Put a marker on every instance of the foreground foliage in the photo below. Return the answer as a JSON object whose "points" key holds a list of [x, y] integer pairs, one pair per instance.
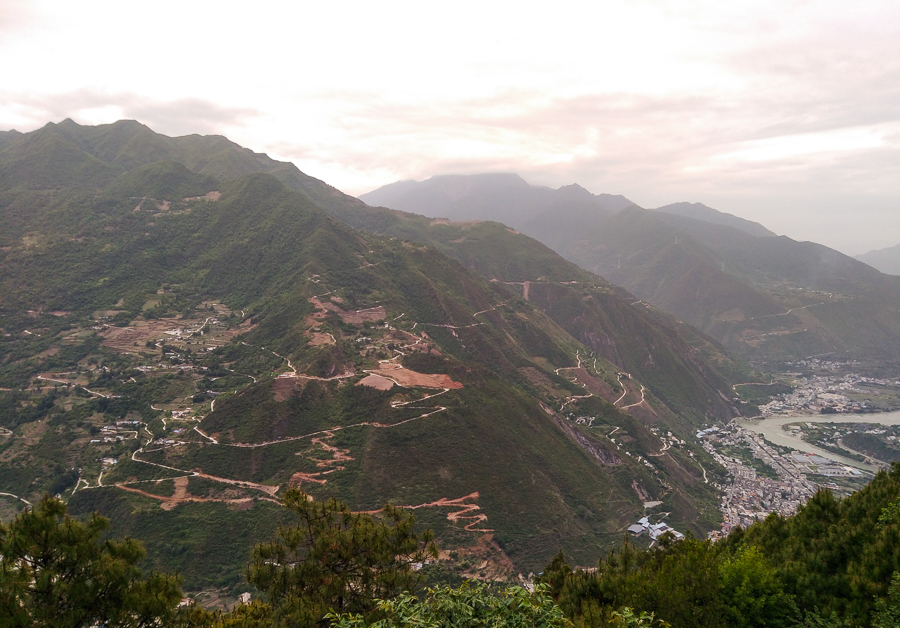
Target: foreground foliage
{"points": [[829, 565], [472, 605], [333, 559], [833, 565], [58, 572]]}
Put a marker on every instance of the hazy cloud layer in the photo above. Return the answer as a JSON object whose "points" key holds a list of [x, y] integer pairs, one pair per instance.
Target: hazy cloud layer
{"points": [[183, 116], [781, 112], [15, 16]]}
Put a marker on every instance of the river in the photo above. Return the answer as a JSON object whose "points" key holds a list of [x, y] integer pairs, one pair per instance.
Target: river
{"points": [[773, 431]]}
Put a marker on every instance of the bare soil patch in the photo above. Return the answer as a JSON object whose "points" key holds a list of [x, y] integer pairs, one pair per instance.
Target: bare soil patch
{"points": [[644, 412], [356, 317], [243, 328], [641, 492], [539, 380], [330, 465], [181, 495], [462, 509], [169, 503], [404, 377], [338, 455], [594, 385], [123, 338], [299, 478], [317, 338], [490, 562], [376, 381], [209, 196]]}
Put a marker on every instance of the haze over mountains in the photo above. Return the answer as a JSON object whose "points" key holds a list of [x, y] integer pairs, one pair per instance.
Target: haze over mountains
{"points": [[698, 211], [886, 260], [188, 327], [767, 298]]}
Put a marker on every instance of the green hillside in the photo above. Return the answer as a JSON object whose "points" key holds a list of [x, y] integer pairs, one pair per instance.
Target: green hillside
{"points": [[767, 299], [834, 563], [676, 363], [181, 342]]}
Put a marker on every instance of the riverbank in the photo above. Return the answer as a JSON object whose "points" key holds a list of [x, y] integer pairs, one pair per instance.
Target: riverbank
{"points": [[772, 429]]}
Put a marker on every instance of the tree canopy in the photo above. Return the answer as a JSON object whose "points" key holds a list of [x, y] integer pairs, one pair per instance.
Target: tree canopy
{"points": [[834, 563], [333, 559], [58, 572]]}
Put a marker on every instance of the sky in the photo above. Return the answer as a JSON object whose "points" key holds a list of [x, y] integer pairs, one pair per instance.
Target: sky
{"points": [[784, 112]]}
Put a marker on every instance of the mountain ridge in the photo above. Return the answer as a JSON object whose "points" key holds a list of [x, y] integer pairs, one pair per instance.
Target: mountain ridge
{"points": [[699, 211], [886, 260], [257, 340], [765, 297]]}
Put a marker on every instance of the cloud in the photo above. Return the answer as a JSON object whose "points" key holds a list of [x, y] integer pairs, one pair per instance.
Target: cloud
{"points": [[748, 105], [616, 138], [87, 106], [769, 155], [189, 115], [15, 16]]}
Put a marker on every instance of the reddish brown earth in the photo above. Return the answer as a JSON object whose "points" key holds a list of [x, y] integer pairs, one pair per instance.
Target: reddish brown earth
{"points": [[123, 338], [317, 339], [461, 511], [405, 377], [243, 328], [593, 384], [180, 495], [331, 465]]}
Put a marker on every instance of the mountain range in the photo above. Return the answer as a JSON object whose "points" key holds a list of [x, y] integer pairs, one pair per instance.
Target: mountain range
{"points": [[188, 327], [886, 260], [766, 298]]}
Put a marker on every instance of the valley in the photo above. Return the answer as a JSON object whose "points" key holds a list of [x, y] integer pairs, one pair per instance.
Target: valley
{"points": [[816, 386], [767, 478], [185, 338], [766, 298]]}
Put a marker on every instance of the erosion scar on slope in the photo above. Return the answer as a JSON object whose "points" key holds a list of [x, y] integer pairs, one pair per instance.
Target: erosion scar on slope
{"points": [[180, 497], [463, 514], [330, 465]]}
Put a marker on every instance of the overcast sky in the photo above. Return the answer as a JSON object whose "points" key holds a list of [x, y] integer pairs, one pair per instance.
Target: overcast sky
{"points": [[783, 112]]}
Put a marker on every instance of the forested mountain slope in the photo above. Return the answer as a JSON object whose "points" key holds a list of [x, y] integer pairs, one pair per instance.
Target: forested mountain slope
{"points": [[182, 340], [699, 211], [766, 298], [834, 563]]}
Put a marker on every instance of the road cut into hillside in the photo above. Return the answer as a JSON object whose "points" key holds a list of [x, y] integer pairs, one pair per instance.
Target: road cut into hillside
{"points": [[461, 511], [180, 495]]}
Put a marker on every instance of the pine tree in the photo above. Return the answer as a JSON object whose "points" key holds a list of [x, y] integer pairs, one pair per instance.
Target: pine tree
{"points": [[333, 559], [57, 572]]}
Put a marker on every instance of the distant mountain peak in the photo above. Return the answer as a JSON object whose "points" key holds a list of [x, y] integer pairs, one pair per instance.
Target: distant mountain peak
{"points": [[699, 211], [574, 190], [886, 260], [484, 177]]}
